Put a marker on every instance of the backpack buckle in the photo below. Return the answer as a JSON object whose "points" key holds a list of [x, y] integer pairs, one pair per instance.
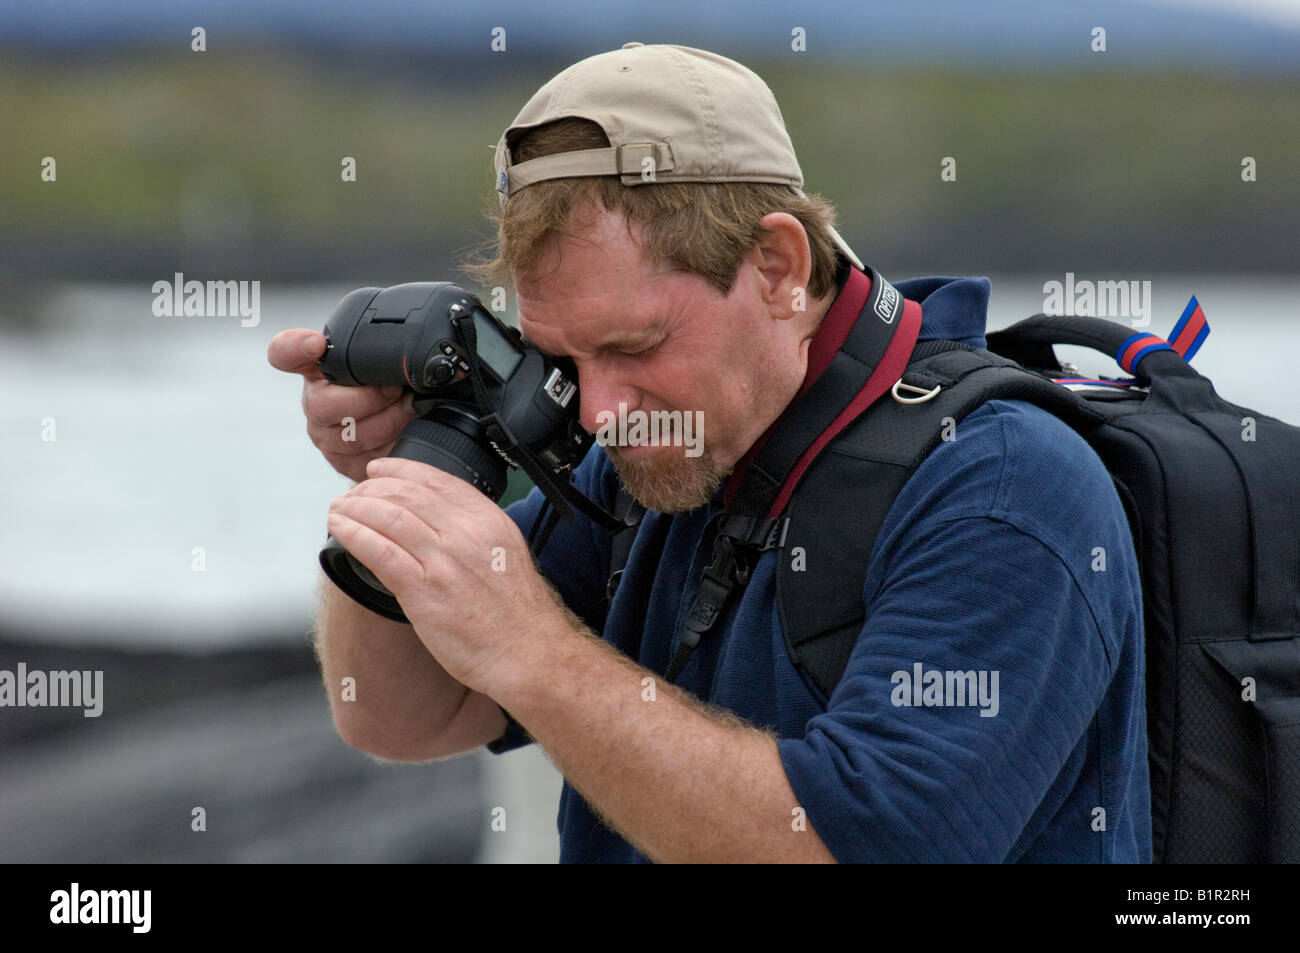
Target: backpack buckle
{"points": [[776, 531], [751, 533]]}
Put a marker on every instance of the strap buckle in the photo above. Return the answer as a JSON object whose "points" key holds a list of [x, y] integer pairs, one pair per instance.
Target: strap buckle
{"points": [[632, 165], [749, 532], [776, 534], [739, 538]]}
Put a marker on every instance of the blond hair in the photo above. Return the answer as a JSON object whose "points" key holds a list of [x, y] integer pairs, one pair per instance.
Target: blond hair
{"points": [[703, 228]]}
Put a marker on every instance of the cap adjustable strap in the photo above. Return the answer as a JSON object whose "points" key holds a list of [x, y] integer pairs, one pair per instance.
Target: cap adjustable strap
{"points": [[627, 160]]}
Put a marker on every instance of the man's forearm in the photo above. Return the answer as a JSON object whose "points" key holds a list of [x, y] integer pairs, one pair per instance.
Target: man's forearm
{"points": [[678, 780], [400, 699]]}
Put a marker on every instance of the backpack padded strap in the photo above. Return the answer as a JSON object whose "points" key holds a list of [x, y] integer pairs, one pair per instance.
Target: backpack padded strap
{"points": [[872, 355], [863, 471]]}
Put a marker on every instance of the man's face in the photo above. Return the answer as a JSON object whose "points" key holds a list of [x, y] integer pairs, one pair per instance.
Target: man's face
{"points": [[660, 340]]}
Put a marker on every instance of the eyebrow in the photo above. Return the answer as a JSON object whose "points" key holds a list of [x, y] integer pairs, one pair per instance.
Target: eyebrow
{"points": [[618, 339]]}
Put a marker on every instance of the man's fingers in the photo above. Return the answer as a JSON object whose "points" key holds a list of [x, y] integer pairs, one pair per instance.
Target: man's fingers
{"points": [[367, 438], [418, 498], [351, 466], [326, 404], [394, 521], [296, 352], [385, 558], [376, 432], [443, 483]]}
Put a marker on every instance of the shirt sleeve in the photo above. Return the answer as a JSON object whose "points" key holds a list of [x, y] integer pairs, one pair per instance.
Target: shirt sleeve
{"points": [[575, 560], [979, 595], [885, 776]]}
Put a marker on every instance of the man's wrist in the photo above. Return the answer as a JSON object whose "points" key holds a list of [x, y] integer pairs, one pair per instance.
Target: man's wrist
{"points": [[546, 642]]}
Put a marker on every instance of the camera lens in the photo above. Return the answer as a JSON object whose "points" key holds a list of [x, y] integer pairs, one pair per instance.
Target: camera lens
{"points": [[351, 576], [449, 438], [452, 439]]}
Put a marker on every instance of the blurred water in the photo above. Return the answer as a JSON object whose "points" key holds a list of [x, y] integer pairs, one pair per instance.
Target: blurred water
{"points": [[171, 434], [174, 433]]}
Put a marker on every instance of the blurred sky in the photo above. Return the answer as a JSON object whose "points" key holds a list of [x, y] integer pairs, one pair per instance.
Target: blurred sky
{"points": [[1241, 34]]}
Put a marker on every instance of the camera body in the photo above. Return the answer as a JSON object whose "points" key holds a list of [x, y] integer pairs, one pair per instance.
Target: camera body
{"points": [[487, 399], [411, 335]]}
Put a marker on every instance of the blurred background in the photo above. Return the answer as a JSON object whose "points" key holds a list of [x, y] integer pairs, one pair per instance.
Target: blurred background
{"points": [[162, 505]]}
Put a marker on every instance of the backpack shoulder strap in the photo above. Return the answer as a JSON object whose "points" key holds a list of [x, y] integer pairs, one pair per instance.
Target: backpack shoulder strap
{"points": [[821, 573]]}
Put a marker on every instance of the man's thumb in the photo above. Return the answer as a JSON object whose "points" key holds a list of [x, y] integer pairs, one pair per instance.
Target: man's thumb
{"points": [[296, 351]]}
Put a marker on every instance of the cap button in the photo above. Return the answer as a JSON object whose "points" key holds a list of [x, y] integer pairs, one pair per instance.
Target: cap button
{"points": [[632, 46]]}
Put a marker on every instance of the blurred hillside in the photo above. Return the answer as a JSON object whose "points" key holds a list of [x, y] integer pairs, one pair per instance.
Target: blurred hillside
{"points": [[228, 164]]}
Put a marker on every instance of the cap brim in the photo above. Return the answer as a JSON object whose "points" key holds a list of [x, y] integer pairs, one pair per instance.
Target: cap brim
{"points": [[848, 252], [842, 245]]}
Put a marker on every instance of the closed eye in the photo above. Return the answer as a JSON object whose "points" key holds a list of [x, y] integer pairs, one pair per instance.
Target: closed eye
{"points": [[605, 350], [629, 353]]}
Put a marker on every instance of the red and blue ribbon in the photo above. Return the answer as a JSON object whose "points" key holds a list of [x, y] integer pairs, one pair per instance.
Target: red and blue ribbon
{"points": [[1137, 347], [1191, 330], [1187, 337]]}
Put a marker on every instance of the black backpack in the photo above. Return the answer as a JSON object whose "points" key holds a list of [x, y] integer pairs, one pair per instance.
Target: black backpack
{"points": [[1212, 495]]}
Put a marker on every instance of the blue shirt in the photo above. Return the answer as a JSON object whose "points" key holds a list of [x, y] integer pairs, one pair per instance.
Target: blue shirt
{"points": [[1006, 552]]}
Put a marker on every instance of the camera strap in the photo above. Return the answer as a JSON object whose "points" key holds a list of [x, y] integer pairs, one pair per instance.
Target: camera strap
{"points": [[869, 356]]}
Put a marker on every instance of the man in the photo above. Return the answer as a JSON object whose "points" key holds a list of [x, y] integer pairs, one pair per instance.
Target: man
{"points": [[655, 231]]}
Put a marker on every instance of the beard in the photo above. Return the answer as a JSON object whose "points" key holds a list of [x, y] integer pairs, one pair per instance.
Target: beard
{"points": [[670, 482]]}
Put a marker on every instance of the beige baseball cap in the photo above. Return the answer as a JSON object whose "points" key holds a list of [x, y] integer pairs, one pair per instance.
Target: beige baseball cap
{"points": [[672, 114]]}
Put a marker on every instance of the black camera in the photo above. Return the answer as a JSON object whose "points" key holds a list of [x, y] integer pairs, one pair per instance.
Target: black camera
{"points": [[489, 402]]}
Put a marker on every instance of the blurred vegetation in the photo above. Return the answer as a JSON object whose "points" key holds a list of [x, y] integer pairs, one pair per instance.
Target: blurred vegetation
{"points": [[233, 161]]}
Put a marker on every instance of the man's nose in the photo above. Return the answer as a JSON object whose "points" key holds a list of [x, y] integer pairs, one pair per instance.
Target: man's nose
{"points": [[601, 391]]}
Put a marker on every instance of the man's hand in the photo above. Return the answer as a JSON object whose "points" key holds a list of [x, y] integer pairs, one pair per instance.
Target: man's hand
{"points": [[378, 414], [456, 562]]}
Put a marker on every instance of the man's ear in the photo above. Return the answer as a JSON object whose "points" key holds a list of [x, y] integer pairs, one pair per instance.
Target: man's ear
{"points": [[783, 259]]}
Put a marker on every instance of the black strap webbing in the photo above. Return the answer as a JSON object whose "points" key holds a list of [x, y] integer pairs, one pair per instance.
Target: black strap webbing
{"points": [[739, 540], [629, 512]]}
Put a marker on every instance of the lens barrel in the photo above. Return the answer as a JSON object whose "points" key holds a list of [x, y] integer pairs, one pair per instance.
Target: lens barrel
{"points": [[449, 438]]}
